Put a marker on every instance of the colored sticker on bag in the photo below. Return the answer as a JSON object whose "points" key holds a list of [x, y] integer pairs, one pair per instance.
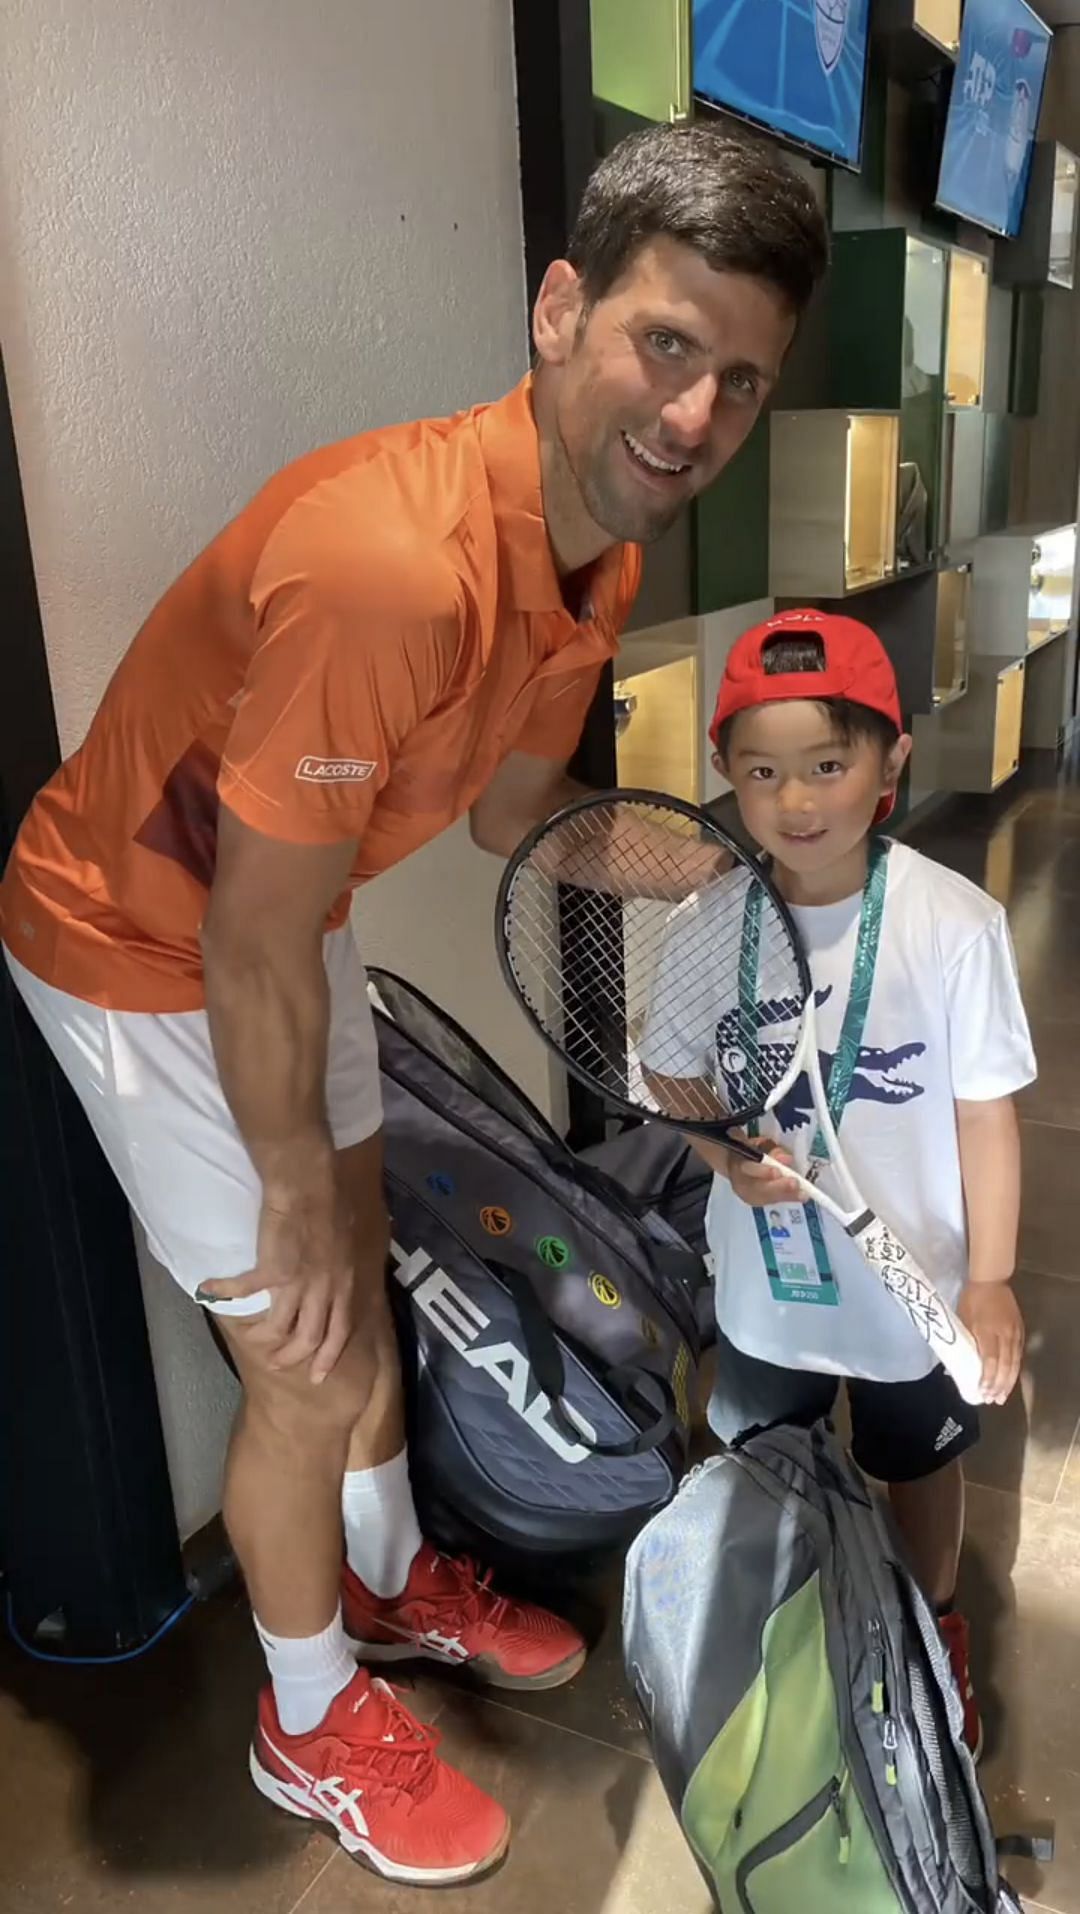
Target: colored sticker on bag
{"points": [[553, 1252], [497, 1221], [650, 1335], [440, 1183], [604, 1290]]}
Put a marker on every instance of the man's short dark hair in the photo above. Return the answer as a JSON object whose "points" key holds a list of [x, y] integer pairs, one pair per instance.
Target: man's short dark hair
{"points": [[725, 194], [850, 721]]}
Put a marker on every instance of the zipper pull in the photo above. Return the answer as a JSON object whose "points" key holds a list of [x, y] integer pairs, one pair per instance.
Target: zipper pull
{"points": [[839, 1808], [892, 1742], [877, 1692]]}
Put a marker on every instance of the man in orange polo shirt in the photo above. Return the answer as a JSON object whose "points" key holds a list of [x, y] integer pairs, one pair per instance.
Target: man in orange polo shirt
{"points": [[399, 629]]}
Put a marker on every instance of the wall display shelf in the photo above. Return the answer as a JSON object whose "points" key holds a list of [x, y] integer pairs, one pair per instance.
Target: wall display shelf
{"points": [[641, 56], [963, 458], [952, 634], [1048, 694], [1044, 254], [731, 529], [997, 471], [833, 491], [920, 36], [1023, 588], [997, 370], [965, 338], [973, 744], [1026, 351], [922, 621], [886, 295], [1053, 575], [666, 681], [658, 712]]}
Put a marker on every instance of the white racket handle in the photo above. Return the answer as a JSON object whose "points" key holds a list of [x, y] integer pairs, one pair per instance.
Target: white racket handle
{"points": [[894, 1266], [954, 1345]]}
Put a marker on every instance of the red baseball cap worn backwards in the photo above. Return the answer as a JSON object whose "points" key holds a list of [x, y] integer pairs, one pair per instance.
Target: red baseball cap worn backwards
{"points": [[856, 667]]}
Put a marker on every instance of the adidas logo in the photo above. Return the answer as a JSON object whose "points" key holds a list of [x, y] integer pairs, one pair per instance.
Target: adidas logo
{"points": [[948, 1434]]}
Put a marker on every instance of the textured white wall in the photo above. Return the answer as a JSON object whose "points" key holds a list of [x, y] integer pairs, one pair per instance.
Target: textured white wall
{"points": [[230, 233]]}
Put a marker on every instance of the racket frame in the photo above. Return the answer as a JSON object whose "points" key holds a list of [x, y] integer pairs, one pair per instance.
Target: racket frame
{"points": [[712, 1130]]}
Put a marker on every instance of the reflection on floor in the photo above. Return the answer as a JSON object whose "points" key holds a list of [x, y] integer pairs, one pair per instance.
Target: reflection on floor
{"points": [[130, 1789]]}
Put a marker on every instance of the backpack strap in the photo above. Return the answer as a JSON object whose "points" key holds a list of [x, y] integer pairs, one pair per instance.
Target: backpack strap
{"points": [[626, 1382], [1026, 1847]]}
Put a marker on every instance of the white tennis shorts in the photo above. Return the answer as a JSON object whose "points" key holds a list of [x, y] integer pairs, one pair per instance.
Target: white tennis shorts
{"points": [[150, 1087]]}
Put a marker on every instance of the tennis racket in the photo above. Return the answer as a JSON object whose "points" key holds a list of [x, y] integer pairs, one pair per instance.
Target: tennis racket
{"points": [[654, 955]]}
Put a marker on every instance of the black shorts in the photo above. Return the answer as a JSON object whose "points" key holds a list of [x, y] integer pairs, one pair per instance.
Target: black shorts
{"points": [[900, 1431]]}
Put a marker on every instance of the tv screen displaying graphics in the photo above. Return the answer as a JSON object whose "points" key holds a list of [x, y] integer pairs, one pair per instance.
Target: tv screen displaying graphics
{"points": [[797, 67], [993, 114]]}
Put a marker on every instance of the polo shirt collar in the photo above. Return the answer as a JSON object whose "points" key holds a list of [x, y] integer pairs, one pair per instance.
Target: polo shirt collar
{"points": [[510, 448]]}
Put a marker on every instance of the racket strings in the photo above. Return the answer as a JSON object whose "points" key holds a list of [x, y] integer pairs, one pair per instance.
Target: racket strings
{"points": [[645, 977]]}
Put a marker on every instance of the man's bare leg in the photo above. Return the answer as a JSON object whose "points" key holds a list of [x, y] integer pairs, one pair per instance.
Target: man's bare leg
{"points": [[283, 1481], [331, 1739], [291, 1443], [382, 1534]]}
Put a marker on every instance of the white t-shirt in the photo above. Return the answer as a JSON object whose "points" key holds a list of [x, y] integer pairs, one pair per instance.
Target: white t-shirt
{"points": [[945, 1022]]}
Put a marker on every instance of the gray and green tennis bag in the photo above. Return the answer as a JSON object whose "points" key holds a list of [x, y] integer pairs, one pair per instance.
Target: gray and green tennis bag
{"points": [[798, 1695], [551, 1322]]}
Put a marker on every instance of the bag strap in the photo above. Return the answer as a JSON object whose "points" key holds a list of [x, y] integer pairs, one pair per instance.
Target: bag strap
{"points": [[675, 1174], [1026, 1847], [625, 1380]]}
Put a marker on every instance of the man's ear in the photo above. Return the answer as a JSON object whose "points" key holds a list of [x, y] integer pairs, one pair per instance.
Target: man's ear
{"points": [[557, 313], [720, 767]]}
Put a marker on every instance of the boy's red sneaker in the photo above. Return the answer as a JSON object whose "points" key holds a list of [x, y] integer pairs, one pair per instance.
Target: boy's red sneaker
{"points": [[957, 1635]]}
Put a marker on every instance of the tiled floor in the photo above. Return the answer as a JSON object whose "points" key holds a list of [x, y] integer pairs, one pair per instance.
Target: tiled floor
{"points": [[129, 1790]]}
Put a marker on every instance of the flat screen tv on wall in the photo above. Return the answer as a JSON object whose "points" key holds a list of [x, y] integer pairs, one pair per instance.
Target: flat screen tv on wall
{"points": [[993, 114], [795, 67]]}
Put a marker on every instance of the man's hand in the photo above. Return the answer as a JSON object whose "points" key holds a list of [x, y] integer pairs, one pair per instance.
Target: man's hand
{"points": [[992, 1313], [306, 1258], [762, 1184]]}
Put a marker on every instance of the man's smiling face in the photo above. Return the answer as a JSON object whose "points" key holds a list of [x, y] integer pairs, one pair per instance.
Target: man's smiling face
{"points": [[660, 382]]}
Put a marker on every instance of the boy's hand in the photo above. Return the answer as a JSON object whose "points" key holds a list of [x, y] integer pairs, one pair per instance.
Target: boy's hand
{"points": [[992, 1313], [764, 1183]]}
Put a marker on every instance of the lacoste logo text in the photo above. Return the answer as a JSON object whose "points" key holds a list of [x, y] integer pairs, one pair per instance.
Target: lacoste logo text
{"points": [[334, 770]]}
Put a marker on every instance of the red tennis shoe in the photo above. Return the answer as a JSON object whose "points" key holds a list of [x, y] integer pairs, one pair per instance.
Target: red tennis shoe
{"points": [[448, 1612], [955, 1630], [373, 1773]]}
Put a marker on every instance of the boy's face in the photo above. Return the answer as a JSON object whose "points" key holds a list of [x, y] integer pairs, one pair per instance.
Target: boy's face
{"points": [[807, 797]]}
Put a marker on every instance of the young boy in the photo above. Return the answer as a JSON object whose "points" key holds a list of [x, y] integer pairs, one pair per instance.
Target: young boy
{"points": [[808, 731]]}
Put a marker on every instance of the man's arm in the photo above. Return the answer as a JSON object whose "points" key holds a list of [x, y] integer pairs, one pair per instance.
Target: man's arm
{"points": [[268, 1006], [989, 1141], [523, 793], [627, 855]]}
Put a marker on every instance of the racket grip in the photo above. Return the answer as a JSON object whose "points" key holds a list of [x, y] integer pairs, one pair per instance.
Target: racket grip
{"points": [[953, 1345], [964, 1363]]}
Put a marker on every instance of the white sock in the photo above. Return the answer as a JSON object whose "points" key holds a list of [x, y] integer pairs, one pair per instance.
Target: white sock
{"points": [[382, 1534], [308, 1673]]}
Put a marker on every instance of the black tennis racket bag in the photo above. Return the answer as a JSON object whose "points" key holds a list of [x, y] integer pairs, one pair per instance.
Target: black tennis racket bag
{"points": [[548, 1320], [655, 1165]]}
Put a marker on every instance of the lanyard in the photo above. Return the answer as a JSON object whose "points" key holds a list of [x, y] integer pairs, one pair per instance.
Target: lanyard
{"points": [[842, 1071]]}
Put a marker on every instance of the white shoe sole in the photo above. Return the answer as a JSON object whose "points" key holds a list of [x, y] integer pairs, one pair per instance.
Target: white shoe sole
{"points": [[293, 1800], [480, 1667]]}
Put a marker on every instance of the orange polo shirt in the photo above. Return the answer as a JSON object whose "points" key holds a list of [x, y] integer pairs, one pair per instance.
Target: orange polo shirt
{"points": [[351, 658]]}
